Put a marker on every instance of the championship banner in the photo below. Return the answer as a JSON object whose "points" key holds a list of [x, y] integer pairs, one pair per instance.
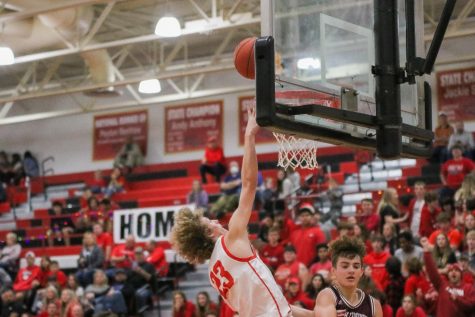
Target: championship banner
{"points": [[145, 224], [112, 130], [456, 94], [263, 136], [188, 127]]}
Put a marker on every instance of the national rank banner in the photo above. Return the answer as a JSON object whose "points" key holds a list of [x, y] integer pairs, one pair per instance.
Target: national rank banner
{"points": [[188, 127], [112, 130], [263, 136], [145, 224], [456, 94]]}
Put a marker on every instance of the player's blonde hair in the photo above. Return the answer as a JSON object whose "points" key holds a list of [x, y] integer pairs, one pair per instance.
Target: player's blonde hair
{"points": [[190, 237]]}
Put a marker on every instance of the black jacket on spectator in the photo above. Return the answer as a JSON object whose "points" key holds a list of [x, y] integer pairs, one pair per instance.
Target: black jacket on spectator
{"points": [[138, 281]]}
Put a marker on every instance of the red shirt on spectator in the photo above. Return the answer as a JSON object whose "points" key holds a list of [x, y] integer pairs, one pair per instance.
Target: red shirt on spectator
{"points": [[300, 297], [322, 268], [418, 312], [455, 237], [214, 156], [371, 222], [158, 259], [305, 241], [286, 270], [59, 277], [121, 250], [272, 256], [25, 278], [415, 282], [387, 310], [428, 220], [187, 311], [104, 240], [377, 261], [454, 171]]}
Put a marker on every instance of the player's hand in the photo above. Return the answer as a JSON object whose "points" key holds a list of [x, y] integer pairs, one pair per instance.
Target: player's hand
{"points": [[252, 127]]}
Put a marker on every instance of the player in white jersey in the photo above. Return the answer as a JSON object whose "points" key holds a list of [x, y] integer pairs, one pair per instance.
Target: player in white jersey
{"points": [[236, 271]]}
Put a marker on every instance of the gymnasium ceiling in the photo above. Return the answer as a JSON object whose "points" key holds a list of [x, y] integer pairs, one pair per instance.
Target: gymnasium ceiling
{"points": [[62, 48]]}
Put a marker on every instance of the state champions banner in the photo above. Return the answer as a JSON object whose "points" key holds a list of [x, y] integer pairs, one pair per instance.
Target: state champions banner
{"points": [[188, 127], [456, 94], [264, 135], [145, 224], [112, 130]]}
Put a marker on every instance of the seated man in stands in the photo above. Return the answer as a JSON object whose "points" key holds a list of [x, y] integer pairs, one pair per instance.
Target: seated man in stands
{"points": [[213, 161], [156, 257], [462, 138], [143, 278], [453, 172], [129, 156], [230, 187], [10, 253], [90, 259], [61, 226], [122, 255], [116, 183], [28, 277], [442, 135]]}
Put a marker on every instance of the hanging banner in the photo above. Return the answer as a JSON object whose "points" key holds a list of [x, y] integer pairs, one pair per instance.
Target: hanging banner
{"points": [[112, 130], [188, 127], [145, 224], [263, 136], [456, 94]]}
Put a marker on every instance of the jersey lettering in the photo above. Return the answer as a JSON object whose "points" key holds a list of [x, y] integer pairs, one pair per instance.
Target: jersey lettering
{"points": [[221, 279]]}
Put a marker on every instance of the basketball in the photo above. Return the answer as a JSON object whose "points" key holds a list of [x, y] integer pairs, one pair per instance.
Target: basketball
{"points": [[244, 58]]}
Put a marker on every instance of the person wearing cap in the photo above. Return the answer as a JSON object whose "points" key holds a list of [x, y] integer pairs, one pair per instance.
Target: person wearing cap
{"points": [[442, 134], [294, 294], [445, 227], [307, 236], [143, 278], [29, 276], [213, 161], [455, 297], [291, 268]]}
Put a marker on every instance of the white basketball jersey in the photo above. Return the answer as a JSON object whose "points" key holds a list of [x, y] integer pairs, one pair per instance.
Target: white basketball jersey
{"points": [[246, 284]]}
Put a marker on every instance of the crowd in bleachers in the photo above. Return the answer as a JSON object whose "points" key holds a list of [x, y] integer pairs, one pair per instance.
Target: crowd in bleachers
{"points": [[14, 168]]}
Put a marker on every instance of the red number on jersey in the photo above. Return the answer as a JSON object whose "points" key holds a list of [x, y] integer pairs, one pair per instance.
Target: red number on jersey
{"points": [[221, 279]]}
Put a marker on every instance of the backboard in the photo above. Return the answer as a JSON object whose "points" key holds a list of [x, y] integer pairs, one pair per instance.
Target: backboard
{"points": [[329, 49]]}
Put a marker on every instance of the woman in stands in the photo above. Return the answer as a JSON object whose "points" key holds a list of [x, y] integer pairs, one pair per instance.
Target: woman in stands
{"points": [[239, 275], [181, 306], [67, 301], [317, 283], [204, 304], [443, 253], [409, 308], [388, 209]]}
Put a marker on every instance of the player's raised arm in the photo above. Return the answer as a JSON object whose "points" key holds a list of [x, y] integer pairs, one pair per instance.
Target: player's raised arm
{"points": [[240, 218]]}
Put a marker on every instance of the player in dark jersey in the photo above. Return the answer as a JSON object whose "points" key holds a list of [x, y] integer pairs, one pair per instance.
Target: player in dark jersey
{"points": [[344, 298]]}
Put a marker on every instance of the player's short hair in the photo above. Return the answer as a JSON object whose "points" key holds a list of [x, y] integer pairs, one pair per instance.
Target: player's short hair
{"points": [[190, 237], [348, 248]]}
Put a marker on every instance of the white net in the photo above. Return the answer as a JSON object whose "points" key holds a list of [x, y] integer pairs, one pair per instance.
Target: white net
{"points": [[296, 152]]}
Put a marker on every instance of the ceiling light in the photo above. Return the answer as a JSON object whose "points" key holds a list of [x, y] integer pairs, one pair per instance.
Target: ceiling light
{"points": [[168, 27], [150, 86], [309, 63], [6, 56]]}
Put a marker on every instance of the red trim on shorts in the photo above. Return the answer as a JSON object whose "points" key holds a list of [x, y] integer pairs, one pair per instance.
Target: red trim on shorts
{"points": [[272, 295], [232, 256]]}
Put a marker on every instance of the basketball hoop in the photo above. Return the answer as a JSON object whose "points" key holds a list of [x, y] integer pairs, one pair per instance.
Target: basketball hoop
{"points": [[296, 152]]}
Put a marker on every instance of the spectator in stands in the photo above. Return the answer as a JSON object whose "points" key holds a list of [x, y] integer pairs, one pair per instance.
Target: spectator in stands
{"points": [[455, 298], [61, 226], [453, 172], [409, 308], [443, 131], [415, 208], [198, 196], [67, 301], [90, 259], [123, 255], [121, 284], [213, 161], [388, 210], [143, 278], [442, 253], [469, 222], [465, 196], [10, 254], [470, 251], [97, 185], [230, 187], [443, 223], [156, 257], [181, 306], [272, 253], [394, 289], [5, 280], [317, 283], [377, 261], [335, 195], [44, 297], [28, 277], [17, 171], [129, 156], [416, 280], [107, 209], [52, 310], [291, 268], [100, 295], [284, 184], [103, 240], [408, 249], [74, 285], [9, 306], [55, 276], [391, 243], [116, 183], [45, 264], [367, 215], [204, 304], [269, 194], [462, 138], [307, 236], [30, 165], [294, 293], [429, 213], [322, 264]]}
